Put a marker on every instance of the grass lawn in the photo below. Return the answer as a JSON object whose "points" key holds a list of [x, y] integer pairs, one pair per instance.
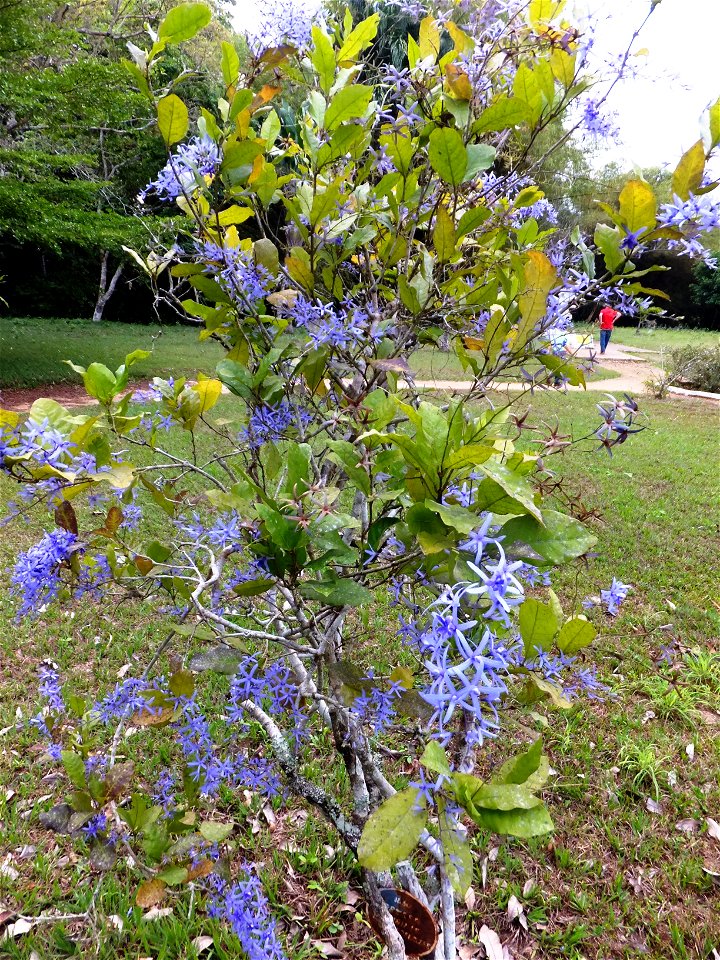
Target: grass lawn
{"points": [[432, 364], [32, 350], [616, 880], [660, 339]]}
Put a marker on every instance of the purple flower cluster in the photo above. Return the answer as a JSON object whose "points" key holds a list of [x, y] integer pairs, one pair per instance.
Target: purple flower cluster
{"points": [[596, 123], [377, 707], [279, 22], [268, 423], [698, 214], [41, 441], [613, 597], [186, 170], [618, 419], [465, 673], [236, 272], [244, 905], [326, 325], [36, 576]]}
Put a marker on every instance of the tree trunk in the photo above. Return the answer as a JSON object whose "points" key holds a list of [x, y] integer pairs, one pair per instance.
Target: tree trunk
{"points": [[105, 290]]}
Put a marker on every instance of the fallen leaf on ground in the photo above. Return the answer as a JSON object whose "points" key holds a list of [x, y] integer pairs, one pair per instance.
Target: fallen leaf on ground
{"points": [[150, 893], [115, 921], [653, 806], [491, 941], [690, 751], [202, 943], [327, 949], [155, 913], [17, 929], [470, 898], [688, 825], [713, 828]]}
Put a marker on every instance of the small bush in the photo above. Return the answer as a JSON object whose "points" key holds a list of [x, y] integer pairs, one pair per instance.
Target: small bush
{"points": [[696, 367]]}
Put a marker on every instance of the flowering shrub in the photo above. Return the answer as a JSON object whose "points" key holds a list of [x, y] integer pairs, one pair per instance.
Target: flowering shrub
{"points": [[326, 480]]}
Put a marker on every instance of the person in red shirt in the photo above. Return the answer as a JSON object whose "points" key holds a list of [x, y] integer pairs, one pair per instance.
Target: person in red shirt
{"points": [[608, 316]]}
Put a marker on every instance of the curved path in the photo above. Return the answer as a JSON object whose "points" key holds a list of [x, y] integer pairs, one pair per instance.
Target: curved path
{"points": [[633, 374]]}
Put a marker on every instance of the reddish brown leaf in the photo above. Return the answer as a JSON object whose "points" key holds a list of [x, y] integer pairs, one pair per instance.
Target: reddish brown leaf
{"points": [[66, 517], [150, 893]]}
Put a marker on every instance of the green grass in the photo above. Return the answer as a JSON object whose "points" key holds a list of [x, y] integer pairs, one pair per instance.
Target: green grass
{"points": [[32, 350], [659, 339], [615, 878], [432, 364]]}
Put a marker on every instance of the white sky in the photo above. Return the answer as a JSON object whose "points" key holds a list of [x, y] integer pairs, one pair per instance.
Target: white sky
{"points": [[659, 116]]}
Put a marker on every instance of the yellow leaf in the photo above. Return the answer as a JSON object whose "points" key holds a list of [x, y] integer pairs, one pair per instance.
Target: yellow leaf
{"points": [[689, 172], [258, 167], [463, 42], [458, 82], [242, 123], [429, 39], [540, 277], [543, 11], [265, 95], [638, 206], [562, 65], [209, 392]]}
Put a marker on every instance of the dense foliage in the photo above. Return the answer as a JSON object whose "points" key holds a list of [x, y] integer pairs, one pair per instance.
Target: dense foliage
{"points": [[326, 480]]}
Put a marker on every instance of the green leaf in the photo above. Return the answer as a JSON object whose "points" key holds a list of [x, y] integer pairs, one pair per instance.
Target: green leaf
{"points": [[638, 206], [448, 155], [444, 235], [689, 172], [519, 769], [230, 64], [505, 796], [459, 518], [575, 634], [526, 87], [537, 688], [392, 832], [337, 592], [538, 626], [323, 58], [350, 103], [456, 849], [430, 531], [435, 758], [174, 875], [608, 240], [481, 156], [503, 113], [359, 38], [74, 767], [520, 823], [562, 538], [100, 382], [563, 367], [215, 832], [184, 21], [173, 120], [514, 484], [470, 454], [236, 378], [182, 683], [233, 215]]}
